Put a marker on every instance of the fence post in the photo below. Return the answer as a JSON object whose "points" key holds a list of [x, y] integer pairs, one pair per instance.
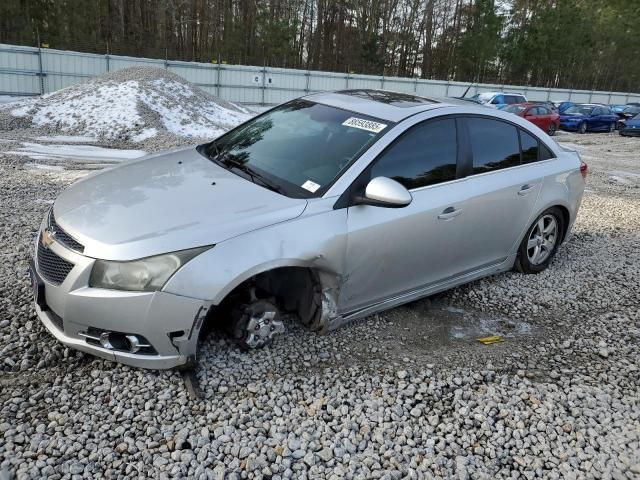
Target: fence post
{"points": [[347, 82], [382, 82], [264, 77], [590, 96], [415, 86], [446, 92], [306, 87], [106, 57], [40, 72], [218, 78]]}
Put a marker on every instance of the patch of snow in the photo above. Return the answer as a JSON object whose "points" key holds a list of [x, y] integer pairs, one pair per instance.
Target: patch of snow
{"points": [[130, 104], [145, 135], [626, 178], [42, 166], [75, 152], [67, 139]]}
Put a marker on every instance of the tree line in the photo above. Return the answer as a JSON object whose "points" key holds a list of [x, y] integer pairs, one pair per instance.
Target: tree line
{"points": [[581, 44]]}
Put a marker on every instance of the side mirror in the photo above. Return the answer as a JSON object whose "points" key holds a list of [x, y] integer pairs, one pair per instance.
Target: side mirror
{"points": [[385, 192]]}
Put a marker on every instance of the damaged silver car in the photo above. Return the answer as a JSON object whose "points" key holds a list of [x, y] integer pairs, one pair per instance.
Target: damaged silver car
{"points": [[327, 208]]}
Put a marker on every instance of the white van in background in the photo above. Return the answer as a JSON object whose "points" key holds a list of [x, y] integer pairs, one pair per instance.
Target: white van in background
{"points": [[498, 99]]}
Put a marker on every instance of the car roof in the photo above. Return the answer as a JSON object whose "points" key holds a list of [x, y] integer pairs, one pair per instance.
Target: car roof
{"points": [[382, 104]]}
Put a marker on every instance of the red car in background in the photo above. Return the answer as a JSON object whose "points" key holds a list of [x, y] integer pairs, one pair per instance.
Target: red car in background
{"points": [[537, 114]]}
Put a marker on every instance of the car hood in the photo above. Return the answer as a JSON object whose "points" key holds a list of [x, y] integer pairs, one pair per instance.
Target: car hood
{"points": [[164, 203], [632, 123]]}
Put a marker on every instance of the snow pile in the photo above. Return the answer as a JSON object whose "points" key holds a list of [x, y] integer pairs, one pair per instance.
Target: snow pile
{"points": [[133, 104]]}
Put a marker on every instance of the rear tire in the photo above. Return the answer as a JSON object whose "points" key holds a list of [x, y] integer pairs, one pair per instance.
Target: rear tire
{"points": [[582, 128], [551, 129], [541, 242]]}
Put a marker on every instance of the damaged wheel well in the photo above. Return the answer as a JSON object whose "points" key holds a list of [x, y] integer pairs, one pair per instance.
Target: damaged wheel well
{"points": [[304, 292]]}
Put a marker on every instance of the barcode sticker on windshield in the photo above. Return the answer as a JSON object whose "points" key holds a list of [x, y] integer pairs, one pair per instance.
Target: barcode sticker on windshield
{"points": [[311, 186], [363, 124]]}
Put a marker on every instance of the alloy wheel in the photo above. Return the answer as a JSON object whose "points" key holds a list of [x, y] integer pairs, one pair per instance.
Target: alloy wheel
{"points": [[542, 239]]}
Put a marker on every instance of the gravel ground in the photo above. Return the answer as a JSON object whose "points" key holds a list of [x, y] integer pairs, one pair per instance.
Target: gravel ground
{"points": [[405, 394]]}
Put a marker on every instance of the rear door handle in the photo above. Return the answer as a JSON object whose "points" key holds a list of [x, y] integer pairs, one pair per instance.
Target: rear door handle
{"points": [[449, 213], [526, 190]]}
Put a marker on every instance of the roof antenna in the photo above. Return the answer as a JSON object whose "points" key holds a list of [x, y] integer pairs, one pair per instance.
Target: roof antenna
{"points": [[467, 90]]}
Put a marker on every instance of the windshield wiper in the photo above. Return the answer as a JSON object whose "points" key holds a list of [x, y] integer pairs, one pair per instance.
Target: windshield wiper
{"points": [[265, 182]]}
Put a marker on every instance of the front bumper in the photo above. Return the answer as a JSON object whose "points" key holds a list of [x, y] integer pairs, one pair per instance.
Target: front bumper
{"points": [[630, 132], [71, 310], [570, 126]]}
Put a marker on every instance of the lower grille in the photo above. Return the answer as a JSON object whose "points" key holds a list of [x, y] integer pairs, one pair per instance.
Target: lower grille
{"points": [[52, 267], [56, 320]]}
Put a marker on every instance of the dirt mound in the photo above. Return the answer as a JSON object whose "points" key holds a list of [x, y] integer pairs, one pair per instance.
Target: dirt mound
{"points": [[131, 105]]}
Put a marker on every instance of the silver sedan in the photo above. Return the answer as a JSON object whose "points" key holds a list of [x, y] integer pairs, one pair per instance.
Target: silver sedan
{"points": [[327, 208]]}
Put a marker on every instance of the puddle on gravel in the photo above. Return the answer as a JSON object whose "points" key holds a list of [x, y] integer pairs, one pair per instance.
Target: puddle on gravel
{"points": [[441, 332], [467, 325]]}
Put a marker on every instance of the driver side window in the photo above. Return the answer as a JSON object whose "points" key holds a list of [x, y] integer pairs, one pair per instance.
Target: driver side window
{"points": [[424, 155]]}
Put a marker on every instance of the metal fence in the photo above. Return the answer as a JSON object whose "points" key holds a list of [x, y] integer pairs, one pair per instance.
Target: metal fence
{"points": [[34, 71]]}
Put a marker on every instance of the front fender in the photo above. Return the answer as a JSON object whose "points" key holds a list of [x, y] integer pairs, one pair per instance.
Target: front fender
{"points": [[315, 240]]}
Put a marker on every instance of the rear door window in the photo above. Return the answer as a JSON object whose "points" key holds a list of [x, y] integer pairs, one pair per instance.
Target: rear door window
{"points": [[424, 155], [494, 144]]}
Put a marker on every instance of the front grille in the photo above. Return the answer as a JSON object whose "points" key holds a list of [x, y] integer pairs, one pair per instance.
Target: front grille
{"points": [[51, 266], [62, 236]]}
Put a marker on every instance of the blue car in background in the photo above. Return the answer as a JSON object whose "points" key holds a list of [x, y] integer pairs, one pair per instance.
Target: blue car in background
{"points": [[631, 127], [617, 108], [588, 117]]}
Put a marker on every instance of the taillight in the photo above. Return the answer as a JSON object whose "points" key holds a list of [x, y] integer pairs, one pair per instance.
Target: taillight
{"points": [[584, 169]]}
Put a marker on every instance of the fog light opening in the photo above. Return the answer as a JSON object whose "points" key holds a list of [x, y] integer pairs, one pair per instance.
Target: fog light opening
{"points": [[132, 343], [105, 340]]}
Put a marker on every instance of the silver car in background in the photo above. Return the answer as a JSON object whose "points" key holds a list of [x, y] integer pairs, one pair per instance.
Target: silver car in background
{"points": [[327, 208]]}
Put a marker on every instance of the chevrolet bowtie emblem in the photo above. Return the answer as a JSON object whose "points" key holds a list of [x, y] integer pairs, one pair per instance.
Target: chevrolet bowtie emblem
{"points": [[46, 238]]}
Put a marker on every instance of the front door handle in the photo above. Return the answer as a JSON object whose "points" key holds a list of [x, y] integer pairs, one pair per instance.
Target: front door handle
{"points": [[449, 213], [525, 190]]}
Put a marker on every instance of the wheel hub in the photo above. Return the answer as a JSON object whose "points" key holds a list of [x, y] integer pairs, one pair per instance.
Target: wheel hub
{"points": [[262, 327], [542, 239]]}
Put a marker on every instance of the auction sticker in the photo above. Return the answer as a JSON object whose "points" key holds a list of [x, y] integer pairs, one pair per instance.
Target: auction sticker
{"points": [[363, 124], [311, 186]]}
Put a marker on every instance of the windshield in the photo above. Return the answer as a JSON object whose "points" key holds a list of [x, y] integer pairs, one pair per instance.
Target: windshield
{"points": [[581, 109], [514, 108], [297, 149]]}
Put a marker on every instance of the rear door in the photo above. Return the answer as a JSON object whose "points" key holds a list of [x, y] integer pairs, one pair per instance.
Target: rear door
{"points": [[597, 118], [501, 193], [546, 117], [391, 251], [535, 117]]}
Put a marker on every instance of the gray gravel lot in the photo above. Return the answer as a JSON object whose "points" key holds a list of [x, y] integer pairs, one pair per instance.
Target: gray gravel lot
{"points": [[406, 394]]}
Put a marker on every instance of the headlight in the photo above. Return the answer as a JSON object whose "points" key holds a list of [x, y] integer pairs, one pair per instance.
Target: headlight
{"points": [[144, 275]]}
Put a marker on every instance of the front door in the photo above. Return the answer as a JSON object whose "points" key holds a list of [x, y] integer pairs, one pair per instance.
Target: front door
{"points": [[391, 251]]}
